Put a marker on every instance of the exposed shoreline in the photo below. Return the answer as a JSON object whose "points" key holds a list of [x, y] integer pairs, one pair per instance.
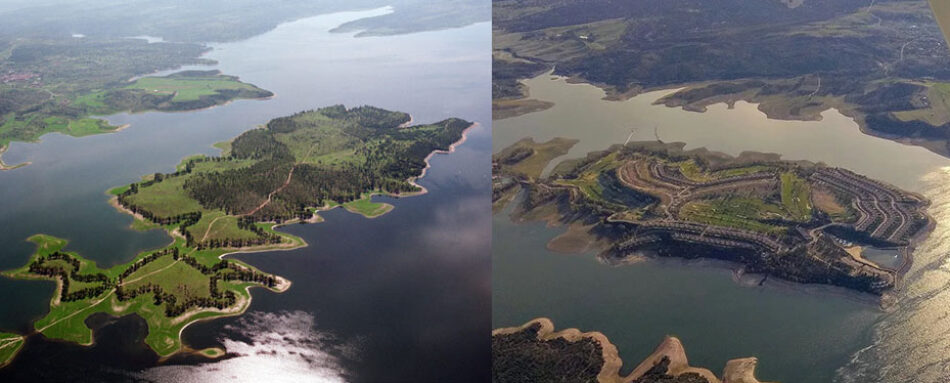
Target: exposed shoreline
{"points": [[4, 166], [671, 348], [574, 238], [939, 147], [609, 373]]}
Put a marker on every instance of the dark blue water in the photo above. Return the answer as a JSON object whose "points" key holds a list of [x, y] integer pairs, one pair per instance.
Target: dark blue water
{"points": [[402, 297]]}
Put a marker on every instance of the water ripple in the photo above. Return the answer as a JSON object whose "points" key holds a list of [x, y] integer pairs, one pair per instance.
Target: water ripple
{"points": [[910, 344]]}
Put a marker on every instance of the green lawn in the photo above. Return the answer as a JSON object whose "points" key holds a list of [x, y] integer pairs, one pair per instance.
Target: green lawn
{"points": [[166, 198], [691, 170]]}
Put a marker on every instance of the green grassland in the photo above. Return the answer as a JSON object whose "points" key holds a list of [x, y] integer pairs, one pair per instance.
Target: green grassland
{"points": [[217, 225], [366, 207], [189, 88], [165, 198], [10, 345]]}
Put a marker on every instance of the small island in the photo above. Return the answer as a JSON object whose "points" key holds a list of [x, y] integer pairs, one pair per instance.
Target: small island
{"points": [[534, 352], [284, 172], [793, 220]]}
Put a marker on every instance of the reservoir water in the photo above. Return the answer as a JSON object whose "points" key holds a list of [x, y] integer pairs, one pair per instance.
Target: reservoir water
{"points": [[799, 334], [394, 297]]}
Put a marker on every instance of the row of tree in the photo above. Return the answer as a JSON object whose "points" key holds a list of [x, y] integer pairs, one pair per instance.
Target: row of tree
{"points": [[41, 266], [224, 270]]}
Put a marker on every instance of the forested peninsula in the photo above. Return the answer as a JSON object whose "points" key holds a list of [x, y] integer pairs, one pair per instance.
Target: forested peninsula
{"points": [[284, 172]]}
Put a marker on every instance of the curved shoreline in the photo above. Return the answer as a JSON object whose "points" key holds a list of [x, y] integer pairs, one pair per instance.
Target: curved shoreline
{"points": [[284, 284], [570, 233], [671, 349], [610, 371], [303, 243], [17, 342], [425, 170], [847, 110], [116, 129], [4, 166]]}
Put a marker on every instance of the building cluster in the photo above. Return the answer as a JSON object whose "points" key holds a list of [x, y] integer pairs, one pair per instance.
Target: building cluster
{"points": [[14, 77], [884, 213]]}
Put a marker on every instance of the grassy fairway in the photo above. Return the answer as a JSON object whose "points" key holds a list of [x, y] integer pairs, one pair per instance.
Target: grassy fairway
{"points": [[796, 198], [588, 181], [10, 345], [737, 212]]}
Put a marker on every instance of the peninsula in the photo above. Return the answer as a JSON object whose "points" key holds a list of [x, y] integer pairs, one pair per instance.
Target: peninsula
{"points": [[59, 86], [794, 220], [534, 352], [286, 171], [882, 63]]}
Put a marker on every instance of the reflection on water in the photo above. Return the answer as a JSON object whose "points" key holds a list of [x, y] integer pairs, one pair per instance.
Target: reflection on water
{"points": [[267, 347], [798, 336], [579, 112], [911, 342], [408, 290]]}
